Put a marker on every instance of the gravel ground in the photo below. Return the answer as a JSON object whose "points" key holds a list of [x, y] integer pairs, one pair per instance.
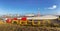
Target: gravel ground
{"points": [[11, 27]]}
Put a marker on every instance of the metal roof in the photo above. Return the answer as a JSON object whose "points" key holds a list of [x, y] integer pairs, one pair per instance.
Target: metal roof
{"points": [[42, 17]]}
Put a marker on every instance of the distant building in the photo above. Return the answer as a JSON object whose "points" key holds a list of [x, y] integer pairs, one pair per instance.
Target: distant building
{"points": [[29, 15], [46, 17]]}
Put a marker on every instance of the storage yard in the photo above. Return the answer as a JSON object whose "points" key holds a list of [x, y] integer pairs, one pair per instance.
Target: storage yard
{"points": [[47, 23]]}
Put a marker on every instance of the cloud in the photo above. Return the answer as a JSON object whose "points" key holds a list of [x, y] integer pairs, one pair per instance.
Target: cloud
{"points": [[53, 7]]}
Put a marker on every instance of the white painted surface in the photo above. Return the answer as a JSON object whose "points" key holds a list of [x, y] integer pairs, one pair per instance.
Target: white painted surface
{"points": [[42, 17]]}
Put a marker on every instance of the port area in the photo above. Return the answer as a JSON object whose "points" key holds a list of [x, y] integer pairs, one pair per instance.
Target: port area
{"points": [[15, 27]]}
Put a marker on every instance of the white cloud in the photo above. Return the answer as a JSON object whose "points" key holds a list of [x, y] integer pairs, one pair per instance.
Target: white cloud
{"points": [[53, 7]]}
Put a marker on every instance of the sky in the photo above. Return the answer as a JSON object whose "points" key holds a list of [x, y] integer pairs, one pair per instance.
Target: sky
{"points": [[30, 6]]}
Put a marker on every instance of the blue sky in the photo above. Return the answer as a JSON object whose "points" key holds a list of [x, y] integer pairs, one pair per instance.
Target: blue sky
{"points": [[29, 6]]}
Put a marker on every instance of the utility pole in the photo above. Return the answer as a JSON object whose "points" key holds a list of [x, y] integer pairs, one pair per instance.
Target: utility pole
{"points": [[38, 12]]}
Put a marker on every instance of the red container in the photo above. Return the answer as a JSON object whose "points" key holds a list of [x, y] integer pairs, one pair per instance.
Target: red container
{"points": [[8, 20], [15, 19], [24, 18]]}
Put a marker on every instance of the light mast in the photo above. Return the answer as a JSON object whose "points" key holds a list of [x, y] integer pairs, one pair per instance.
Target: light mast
{"points": [[38, 12]]}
